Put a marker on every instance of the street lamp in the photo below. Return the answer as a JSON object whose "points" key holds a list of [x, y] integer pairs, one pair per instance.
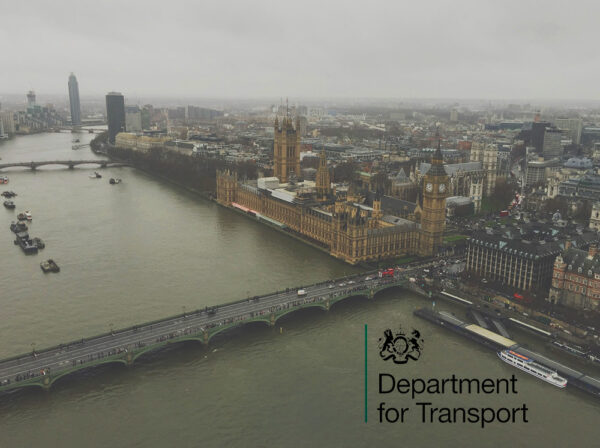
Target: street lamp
{"points": [[111, 329]]}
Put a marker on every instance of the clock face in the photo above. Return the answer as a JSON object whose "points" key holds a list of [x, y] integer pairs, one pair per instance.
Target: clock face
{"points": [[442, 188], [429, 187]]}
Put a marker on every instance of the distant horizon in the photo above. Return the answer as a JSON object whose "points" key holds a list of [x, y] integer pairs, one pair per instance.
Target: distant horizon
{"points": [[16, 98]]}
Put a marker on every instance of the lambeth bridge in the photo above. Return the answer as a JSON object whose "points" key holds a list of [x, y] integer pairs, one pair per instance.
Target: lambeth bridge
{"points": [[42, 368], [68, 163]]}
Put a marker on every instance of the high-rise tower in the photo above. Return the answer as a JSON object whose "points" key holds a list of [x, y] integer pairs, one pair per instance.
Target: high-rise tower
{"points": [[30, 99], [286, 149], [74, 101], [115, 114], [433, 215]]}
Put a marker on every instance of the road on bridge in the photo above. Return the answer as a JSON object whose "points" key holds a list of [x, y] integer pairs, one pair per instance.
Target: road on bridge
{"points": [[79, 354]]}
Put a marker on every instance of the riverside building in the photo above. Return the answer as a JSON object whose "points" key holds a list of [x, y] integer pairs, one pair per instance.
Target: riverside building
{"points": [[522, 257], [337, 221], [115, 115]]}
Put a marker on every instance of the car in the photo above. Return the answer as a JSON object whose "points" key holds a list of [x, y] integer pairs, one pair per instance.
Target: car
{"points": [[351, 282], [331, 286], [341, 285]]}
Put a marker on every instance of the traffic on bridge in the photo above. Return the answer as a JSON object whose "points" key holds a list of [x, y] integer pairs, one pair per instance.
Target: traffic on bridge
{"points": [[42, 368]]}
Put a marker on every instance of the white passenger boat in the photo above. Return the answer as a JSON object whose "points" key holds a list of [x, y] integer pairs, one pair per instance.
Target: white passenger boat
{"points": [[533, 368]]}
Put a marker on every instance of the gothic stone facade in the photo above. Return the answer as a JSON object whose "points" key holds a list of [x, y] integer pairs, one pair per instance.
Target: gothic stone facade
{"points": [[349, 231], [576, 278], [286, 149]]}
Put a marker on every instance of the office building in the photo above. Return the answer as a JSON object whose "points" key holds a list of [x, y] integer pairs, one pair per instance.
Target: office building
{"points": [[573, 128], [30, 99], [74, 101], [115, 115], [133, 119], [552, 148], [538, 171], [522, 257], [536, 138]]}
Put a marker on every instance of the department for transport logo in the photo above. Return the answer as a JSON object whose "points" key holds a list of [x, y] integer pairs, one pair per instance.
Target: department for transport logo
{"points": [[400, 347]]}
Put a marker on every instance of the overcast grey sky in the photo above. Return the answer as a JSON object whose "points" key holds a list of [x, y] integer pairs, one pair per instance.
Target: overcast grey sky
{"points": [[305, 48]]}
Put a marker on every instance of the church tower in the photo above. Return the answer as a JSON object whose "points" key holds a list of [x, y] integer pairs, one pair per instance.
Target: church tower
{"points": [[323, 181], [433, 215], [286, 150]]}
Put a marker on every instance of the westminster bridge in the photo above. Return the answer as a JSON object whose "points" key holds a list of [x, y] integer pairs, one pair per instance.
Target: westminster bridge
{"points": [[43, 367]]}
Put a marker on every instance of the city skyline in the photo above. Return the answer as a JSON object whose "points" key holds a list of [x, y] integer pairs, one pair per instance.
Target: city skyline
{"points": [[308, 50]]}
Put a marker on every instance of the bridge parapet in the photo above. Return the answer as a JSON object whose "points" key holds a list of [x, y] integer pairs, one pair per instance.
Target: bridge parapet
{"points": [[197, 326]]}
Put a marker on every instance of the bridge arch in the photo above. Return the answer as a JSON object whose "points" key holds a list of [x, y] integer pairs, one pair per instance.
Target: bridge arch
{"points": [[79, 368], [388, 287], [223, 328], [157, 346], [362, 295], [319, 305]]}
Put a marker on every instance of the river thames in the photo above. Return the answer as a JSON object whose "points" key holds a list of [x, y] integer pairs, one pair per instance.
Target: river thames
{"points": [[145, 249]]}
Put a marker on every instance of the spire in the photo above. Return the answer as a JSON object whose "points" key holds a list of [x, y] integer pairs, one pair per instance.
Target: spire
{"points": [[438, 152], [437, 161], [276, 123]]}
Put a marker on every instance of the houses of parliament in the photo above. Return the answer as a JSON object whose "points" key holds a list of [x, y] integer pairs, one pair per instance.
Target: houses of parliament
{"points": [[337, 219]]}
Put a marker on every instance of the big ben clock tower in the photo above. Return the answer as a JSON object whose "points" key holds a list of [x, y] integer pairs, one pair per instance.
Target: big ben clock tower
{"points": [[433, 215]]}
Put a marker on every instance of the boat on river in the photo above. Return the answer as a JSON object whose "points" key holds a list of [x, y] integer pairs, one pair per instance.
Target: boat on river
{"points": [[8, 194], [17, 227], [96, 175], [49, 266], [25, 216], [114, 181], [3, 180], [26, 244], [528, 365], [38, 242], [9, 204]]}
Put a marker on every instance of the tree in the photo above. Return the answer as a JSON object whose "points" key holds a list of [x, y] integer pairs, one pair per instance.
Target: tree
{"points": [[557, 204], [345, 172], [583, 211], [381, 182], [503, 194]]}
